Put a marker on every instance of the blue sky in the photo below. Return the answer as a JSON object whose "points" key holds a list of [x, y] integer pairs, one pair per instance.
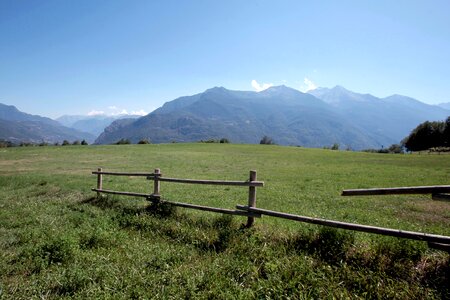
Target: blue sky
{"points": [[75, 57]]}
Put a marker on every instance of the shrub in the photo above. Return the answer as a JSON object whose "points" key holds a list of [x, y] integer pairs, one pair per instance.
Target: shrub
{"points": [[123, 141], [77, 142], [335, 146], [84, 143], [391, 149], [266, 141], [208, 141], [224, 141], [65, 143], [144, 141], [439, 149], [5, 144], [395, 148]]}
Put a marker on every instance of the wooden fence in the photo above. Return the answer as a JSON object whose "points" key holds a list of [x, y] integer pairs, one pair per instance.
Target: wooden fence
{"points": [[155, 197], [435, 241], [438, 192], [251, 211]]}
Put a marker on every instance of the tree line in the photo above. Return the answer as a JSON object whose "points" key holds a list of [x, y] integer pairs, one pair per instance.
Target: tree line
{"points": [[428, 135]]}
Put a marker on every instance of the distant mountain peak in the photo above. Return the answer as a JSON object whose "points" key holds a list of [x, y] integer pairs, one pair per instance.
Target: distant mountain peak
{"points": [[340, 88], [398, 97], [6, 106], [281, 89], [217, 89]]}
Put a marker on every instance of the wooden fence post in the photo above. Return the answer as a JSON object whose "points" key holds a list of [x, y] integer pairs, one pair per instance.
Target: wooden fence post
{"points": [[99, 182], [156, 184], [251, 197]]}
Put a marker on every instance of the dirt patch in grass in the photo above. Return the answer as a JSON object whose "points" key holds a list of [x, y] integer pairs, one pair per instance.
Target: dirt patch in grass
{"points": [[430, 212]]}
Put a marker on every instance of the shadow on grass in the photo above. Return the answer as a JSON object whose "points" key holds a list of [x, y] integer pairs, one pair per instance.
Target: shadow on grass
{"points": [[102, 202], [204, 233], [329, 244]]}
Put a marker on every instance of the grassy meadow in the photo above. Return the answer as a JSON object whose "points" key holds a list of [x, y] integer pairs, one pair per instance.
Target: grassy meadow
{"points": [[58, 240]]}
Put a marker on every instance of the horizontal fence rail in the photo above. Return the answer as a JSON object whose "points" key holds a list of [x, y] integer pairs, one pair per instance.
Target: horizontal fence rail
{"points": [[155, 197], [432, 238], [209, 208], [210, 182], [123, 173], [435, 189], [152, 176]]}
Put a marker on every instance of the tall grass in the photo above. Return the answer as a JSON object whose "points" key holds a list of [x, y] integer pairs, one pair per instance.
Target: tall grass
{"points": [[58, 240]]}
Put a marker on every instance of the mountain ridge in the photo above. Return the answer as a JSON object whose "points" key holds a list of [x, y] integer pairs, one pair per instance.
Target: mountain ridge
{"points": [[288, 115], [392, 117], [91, 124], [17, 126]]}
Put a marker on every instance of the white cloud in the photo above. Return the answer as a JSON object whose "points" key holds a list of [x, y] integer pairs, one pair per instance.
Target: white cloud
{"points": [[140, 112], [115, 111], [120, 112], [307, 86], [258, 87], [96, 112]]}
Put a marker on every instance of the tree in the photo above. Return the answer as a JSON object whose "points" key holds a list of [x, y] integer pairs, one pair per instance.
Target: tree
{"points": [[224, 141], [84, 143], [77, 142], [425, 136], [446, 133], [335, 146], [123, 141], [267, 141], [65, 143]]}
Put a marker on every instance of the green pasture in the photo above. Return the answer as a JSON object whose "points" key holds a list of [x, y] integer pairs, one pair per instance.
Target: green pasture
{"points": [[58, 240]]}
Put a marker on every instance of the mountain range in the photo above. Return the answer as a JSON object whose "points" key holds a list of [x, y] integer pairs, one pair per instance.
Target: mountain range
{"points": [[389, 119], [91, 124], [17, 126], [319, 118]]}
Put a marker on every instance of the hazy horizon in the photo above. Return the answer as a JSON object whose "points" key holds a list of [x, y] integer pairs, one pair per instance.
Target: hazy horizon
{"points": [[114, 111]]}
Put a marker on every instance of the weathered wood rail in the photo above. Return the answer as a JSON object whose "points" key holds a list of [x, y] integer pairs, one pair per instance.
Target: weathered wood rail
{"points": [[155, 197], [432, 238], [438, 192], [251, 211], [434, 190]]}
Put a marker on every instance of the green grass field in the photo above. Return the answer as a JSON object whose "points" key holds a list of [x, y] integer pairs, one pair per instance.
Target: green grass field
{"points": [[58, 240]]}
